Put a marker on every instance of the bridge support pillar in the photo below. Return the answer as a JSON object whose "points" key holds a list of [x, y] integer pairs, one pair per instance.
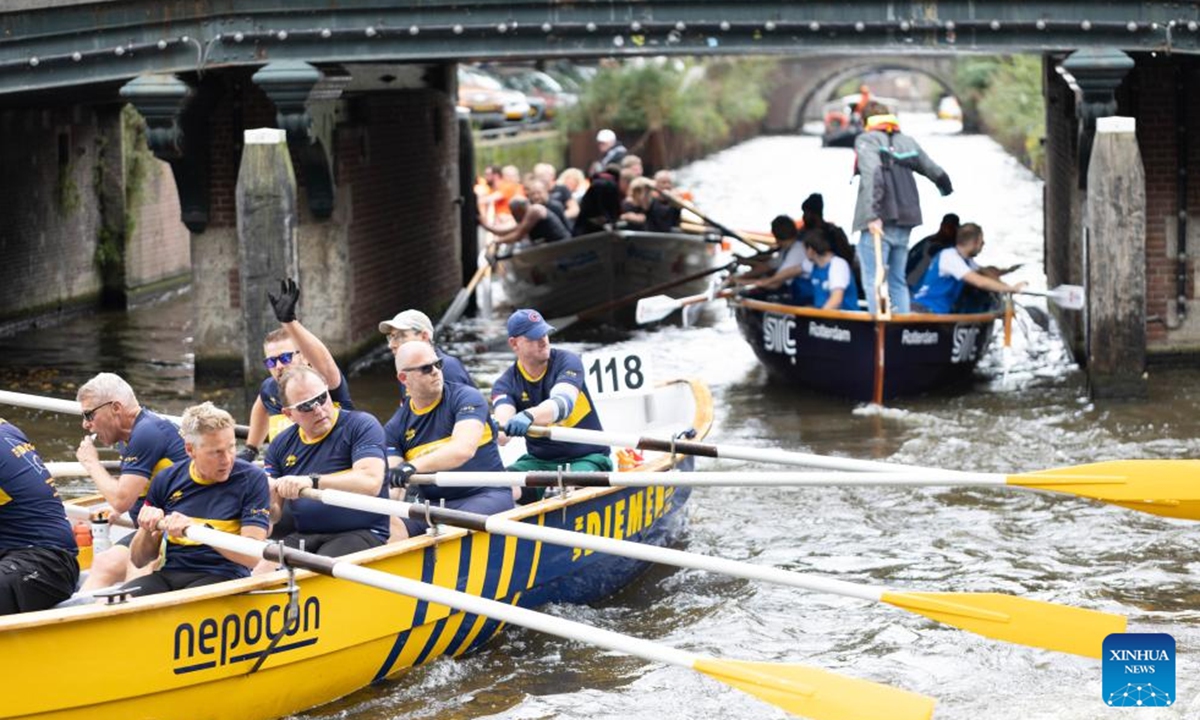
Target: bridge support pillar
{"points": [[1116, 262]]}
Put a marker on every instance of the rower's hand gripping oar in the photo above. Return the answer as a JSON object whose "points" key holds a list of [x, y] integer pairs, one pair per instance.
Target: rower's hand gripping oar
{"points": [[800, 690], [998, 616], [1160, 487]]}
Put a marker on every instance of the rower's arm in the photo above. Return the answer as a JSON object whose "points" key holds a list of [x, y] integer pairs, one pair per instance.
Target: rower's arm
{"points": [[315, 352], [364, 477], [835, 299], [260, 421], [983, 282], [464, 440]]}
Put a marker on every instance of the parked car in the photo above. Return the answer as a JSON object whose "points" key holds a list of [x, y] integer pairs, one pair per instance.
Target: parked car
{"points": [[491, 105], [538, 87]]}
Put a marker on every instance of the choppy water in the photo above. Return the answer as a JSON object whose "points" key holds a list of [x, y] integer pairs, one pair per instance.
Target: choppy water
{"points": [[1028, 411]]}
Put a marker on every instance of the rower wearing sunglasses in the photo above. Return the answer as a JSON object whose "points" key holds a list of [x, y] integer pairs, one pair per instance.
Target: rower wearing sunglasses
{"points": [[440, 426], [410, 325], [283, 348], [545, 386], [326, 448]]}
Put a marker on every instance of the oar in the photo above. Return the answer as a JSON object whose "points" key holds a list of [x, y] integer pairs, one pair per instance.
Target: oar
{"points": [[800, 690], [685, 205], [1069, 297], [71, 407], [653, 309], [753, 236], [75, 469], [455, 311], [1002, 617], [883, 297], [1159, 487]]}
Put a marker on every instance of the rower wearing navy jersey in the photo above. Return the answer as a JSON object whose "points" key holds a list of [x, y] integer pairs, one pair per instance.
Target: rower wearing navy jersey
{"points": [[441, 426], [545, 386], [215, 488], [38, 567], [412, 325], [290, 344], [332, 448], [148, 443]]}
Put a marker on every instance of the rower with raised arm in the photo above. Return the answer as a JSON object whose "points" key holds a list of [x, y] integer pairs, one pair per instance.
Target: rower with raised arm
{"points": [[288, 345], [148, 443], [545, 386], [214, 488], [38, 566], [326, 447], [441, 425]]}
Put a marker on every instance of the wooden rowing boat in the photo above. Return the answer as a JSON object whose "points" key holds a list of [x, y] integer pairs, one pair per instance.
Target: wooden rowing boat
{"points": [[852, 354], [572, 275], [195, 653]]}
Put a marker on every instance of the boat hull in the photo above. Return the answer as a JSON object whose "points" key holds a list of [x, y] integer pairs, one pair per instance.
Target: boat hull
{"points": [[569, 276], [193, 653], [850, 354]]}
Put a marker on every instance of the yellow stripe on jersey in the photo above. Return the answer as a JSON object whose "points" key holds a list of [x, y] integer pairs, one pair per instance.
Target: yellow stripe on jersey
{"points": [[580, 411], [277, 424], [233, 527], [425, 410], [5, 498], [426, 448], [529, 377]]}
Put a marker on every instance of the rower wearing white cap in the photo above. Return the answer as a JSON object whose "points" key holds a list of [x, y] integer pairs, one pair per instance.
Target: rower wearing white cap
{"points": [[410, 325], [612, 152]]}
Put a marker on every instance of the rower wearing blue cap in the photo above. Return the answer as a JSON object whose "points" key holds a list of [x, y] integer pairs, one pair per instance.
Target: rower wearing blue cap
{"points": [[545, 386]]}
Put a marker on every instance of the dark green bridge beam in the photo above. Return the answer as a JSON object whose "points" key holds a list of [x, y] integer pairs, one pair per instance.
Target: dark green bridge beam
{"points": [[57, 43]]}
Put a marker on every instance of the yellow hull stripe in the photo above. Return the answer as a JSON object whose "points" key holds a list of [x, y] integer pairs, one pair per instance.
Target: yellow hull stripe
{"points": [[537, 555], [506, 569]]}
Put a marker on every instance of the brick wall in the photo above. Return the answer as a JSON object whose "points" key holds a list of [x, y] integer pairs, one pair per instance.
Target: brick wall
{"points": [[48, 221], [160, 248], [1061, 209]]}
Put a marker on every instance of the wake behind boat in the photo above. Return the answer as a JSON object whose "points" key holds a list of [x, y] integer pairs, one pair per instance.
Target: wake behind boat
{"points": [[207, 652], [852, 354]]}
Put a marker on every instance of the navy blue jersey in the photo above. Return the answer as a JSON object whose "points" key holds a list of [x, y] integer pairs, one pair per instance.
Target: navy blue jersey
{"points": [[154, 445], [31, 512], [354, 436], [414, 432], [272, 400], [453, 371], [244, 500], [519, 389]]}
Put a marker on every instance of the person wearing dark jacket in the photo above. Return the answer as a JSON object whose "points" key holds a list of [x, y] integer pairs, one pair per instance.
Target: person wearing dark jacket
{"points": [[888, 202]]}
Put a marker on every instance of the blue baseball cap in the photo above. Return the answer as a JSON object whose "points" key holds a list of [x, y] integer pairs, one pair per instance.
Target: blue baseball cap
{"points": [[529, 324]]}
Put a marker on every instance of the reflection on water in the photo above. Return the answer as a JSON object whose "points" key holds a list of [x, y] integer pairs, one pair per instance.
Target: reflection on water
{"points": [[1027, 411]]}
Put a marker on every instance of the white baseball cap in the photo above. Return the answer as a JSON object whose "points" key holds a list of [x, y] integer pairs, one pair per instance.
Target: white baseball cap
{"points": [[606, 136], [414, 320]]}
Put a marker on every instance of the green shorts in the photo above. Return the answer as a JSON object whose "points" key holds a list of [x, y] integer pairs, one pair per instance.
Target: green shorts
{"points": [[594, 462]]}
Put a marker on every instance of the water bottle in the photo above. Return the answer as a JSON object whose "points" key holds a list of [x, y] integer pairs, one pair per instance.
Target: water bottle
{"points": [[100, 541]]}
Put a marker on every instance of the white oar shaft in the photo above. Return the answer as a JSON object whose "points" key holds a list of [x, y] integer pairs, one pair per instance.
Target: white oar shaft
{"points": [[716, 478], [71, 407], [511, 614], [765, 455], [622, 548], [74, 469]]}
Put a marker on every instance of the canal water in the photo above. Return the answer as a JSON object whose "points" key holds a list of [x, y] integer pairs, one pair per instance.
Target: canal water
{"points": [[1028, 410]]}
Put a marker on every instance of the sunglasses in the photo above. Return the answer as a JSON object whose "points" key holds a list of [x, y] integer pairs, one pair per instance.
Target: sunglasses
{"points": [[280, 359], [427, 367], [89, 415], [308, 405]]}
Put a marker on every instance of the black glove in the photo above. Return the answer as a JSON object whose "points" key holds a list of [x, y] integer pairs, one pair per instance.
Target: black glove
{"points": [[248, 453], [943, 185], [397, 477], [284, 304]]}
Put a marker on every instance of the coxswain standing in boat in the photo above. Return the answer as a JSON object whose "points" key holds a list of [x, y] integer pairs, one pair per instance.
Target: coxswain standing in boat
{"points": [[953, 269], [888, 201], [216, 489], [789, 268], [38, 565], [441, 426], [535, 222], [148, 444], [283, 348], [545, 386], [326, 448], [412, 325], [833, 285]]}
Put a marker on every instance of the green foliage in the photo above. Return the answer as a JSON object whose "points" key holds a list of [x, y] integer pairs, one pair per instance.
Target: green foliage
{"points": [[524, 150], [1006, 92]]}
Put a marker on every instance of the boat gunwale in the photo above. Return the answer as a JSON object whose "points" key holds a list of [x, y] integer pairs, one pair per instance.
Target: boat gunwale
{"points": [[863, 316], [702, 419]]}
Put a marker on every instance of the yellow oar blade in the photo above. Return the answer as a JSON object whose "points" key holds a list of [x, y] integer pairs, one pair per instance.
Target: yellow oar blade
{"points": [[1015, 619], [818, 694], [1162, 487]]}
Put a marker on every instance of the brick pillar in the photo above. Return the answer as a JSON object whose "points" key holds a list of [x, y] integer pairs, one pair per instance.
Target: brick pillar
{"points": [[1116, 262]]}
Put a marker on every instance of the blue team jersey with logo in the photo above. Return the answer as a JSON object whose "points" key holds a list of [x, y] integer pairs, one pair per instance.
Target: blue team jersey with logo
{"points": [[271, 398], [940, 289], [414, 432], [154, 445], [31, 512], [519, 389], [244, 500], [821, 289], [354, 436], [453, 371]]}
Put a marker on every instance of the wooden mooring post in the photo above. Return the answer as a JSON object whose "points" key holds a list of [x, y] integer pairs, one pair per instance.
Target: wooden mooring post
{"points": [[1116, 262]]}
